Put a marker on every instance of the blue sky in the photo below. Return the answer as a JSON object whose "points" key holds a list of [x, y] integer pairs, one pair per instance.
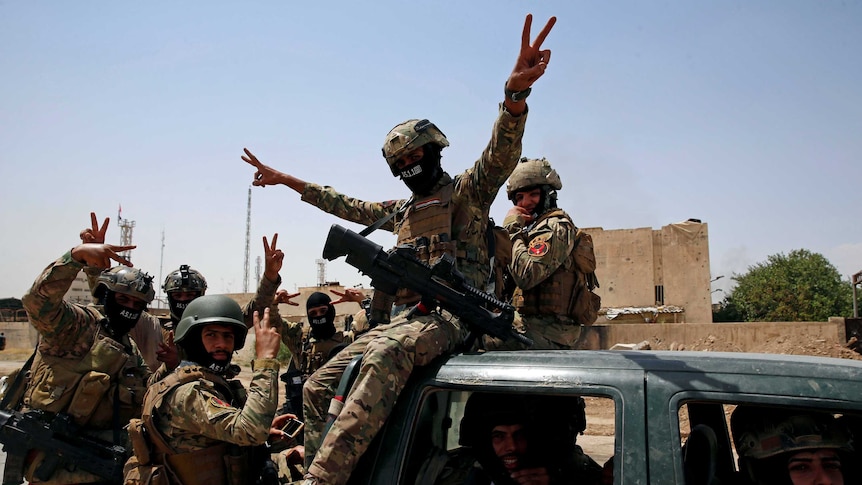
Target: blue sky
{"points": [[745, 114]]}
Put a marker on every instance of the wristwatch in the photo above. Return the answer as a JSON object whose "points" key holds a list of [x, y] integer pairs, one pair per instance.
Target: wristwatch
{"points": [[516, 95]]}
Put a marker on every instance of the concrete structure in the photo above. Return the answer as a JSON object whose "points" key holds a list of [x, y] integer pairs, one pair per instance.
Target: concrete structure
{"points": [[651, 275]]}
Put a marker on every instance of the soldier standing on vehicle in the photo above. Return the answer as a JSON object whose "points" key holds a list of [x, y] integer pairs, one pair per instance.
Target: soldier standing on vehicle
{"points": [[553, 264], [445, 215], [85, 364], [200, 425], [782, 446]]}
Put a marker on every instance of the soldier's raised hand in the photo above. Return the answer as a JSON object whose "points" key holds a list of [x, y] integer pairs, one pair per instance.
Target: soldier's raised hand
{"points": [[273, 258], [282, 296], [531, 64], [100, 255], [267, 341], [265, 175], [350, 294], [94, 233]]}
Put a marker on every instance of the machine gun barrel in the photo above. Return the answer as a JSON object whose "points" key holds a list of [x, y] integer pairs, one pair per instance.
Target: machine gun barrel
{"points": [[440, 282]]}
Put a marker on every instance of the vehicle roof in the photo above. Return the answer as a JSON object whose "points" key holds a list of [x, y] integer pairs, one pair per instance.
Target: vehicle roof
{"points": [[653, 361]]}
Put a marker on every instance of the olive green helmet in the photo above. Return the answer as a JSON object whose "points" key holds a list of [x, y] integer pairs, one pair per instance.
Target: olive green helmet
{"points": [[536, 172], [209, 310], [185, 279], [126, 280], [408, 136], [765, 432]]}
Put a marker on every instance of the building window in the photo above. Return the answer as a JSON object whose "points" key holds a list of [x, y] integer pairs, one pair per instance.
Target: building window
{"points": [[659, 294]]}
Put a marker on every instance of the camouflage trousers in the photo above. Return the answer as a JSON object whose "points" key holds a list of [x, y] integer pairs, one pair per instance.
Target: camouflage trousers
{"points": [[389, 354], [546, 332]]}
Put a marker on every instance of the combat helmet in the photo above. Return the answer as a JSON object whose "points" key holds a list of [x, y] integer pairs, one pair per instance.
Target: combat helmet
{"points": [[408, 136], [185, 279], [536, 172], [126, 280], [212, 309], [765, 432]]}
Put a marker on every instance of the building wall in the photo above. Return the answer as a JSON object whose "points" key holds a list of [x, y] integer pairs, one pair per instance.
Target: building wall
{"points": [[631, 263]]}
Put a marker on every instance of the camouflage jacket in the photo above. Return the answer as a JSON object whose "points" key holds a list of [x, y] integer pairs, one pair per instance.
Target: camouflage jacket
{"points": [[66, 329], [475, 190], [541, 249], [204, 413]]}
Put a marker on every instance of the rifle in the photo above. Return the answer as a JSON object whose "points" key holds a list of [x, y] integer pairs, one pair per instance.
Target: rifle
{"points": [[439, 283], [61, 440]]}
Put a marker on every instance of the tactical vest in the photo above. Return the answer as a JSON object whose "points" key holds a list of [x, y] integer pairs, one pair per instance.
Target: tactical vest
{"points": [[214, 465], [90, 388], [428, 224], [567, 292], [315, 353]]}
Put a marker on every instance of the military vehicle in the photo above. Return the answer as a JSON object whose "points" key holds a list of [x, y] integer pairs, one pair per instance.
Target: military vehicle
{"points": [[646, 403]]}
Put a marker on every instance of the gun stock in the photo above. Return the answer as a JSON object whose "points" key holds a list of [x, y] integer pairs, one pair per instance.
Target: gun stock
{"points": [[440, 282]]}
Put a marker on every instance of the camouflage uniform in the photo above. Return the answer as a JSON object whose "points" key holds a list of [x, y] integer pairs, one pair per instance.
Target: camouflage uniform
{"points": [[147, 333], [390, 351], [208, 412], [537, 253], [73, 348]]}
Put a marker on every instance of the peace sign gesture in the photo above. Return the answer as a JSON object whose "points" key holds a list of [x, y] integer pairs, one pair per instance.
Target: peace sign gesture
{"points": [[531, 64], [350, 294], [95, 234], [100, 255], [282, 296], [273, 258]]}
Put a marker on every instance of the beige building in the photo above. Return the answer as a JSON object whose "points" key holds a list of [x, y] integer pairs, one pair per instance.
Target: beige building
{"points": [[654, 275]]}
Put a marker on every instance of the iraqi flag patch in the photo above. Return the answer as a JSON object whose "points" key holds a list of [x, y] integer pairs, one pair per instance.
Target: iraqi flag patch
{"points": [[426, 203], [539, 246]]}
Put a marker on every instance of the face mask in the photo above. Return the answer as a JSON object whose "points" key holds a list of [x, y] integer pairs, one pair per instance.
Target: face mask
{"points": [[321, 327], [177, 308], [422, 176], [120, 319]]}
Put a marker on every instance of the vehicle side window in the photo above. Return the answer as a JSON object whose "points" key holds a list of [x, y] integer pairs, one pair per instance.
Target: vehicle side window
{"points": [[733, 442], [464, 436]]}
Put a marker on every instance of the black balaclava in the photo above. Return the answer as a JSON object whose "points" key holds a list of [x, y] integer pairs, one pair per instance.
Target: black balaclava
{"points": [[192, 348], [121, 319], [178, 307], [423, 175], [322, 328]]}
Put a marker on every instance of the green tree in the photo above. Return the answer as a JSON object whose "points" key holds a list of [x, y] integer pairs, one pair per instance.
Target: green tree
{"points": [[799, 287]]}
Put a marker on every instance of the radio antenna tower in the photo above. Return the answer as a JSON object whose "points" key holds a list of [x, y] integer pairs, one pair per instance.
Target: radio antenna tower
{"points": [[321, 272], [161, 265], [247, 243], [126, 227], [257, 268]]}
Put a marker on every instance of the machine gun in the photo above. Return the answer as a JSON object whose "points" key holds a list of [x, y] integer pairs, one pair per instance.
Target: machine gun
{"points": [[62, 442], [438, 284]]}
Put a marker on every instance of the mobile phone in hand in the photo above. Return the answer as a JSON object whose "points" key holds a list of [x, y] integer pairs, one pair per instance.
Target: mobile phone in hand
{"points": [[293, 427]]}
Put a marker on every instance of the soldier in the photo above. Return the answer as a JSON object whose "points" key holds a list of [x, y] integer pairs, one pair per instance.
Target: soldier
{"points": [[194, 417], [511, 439], [782, 446], [148, 334], [552, 262], [444, 215], [323, 341], [85, 364]]}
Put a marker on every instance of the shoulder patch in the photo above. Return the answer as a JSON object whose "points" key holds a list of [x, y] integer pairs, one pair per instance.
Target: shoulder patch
{"points": [[218, 403], [539, 246]]}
